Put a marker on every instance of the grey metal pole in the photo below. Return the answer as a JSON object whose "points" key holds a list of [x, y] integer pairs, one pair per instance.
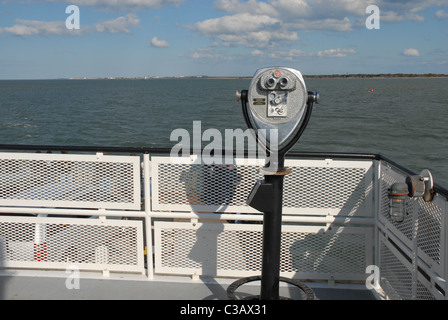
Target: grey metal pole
{"points": [[272, 230]]}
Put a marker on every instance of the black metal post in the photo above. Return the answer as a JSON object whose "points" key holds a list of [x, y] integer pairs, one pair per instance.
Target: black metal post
{"points": [[272, 228], [272, 231]]}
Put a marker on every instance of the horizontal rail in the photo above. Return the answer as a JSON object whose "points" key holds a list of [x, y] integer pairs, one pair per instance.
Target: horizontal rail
{"points": [[437, 188], [72, 212], [146, 150], [185, 215], [259, 217]]}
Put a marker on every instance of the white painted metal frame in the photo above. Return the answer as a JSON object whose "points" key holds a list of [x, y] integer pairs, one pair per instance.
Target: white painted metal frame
{"points": [[65, 179], [329, 187], [315, 187], [106, 177], [190, 199], [234, 250], [59, 243]]}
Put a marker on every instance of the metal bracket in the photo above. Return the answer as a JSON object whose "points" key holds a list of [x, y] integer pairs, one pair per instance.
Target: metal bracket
{"points": [[259, 197]]}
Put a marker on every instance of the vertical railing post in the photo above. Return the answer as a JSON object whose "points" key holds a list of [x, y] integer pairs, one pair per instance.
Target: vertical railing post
{"points": [[414, 248], [148, 218]]}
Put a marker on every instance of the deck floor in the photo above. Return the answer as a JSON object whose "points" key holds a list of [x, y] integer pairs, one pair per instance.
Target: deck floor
{"points": [[53, 287]]}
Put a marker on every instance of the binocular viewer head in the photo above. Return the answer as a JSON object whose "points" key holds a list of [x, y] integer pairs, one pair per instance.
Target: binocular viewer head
{"points": [[277, 106]]}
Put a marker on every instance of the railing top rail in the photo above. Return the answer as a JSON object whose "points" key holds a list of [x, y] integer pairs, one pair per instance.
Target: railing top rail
{"points": [[437, 188], [292, 154]]}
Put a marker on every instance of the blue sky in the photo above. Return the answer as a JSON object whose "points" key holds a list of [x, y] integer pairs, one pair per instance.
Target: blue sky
{"points": [[220, 38]]}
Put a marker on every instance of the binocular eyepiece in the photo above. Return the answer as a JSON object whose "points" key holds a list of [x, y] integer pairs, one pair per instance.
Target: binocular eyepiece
{"points": [[272, 82]]}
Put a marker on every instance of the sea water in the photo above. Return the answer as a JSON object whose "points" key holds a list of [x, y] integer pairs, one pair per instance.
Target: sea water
{"points": [[402, 119]]}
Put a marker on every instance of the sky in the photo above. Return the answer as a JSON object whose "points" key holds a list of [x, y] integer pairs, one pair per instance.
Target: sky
{"points": [[47, 39]]}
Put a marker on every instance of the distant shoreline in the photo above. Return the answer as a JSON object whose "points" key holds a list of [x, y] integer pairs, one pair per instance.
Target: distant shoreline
{"points": [[328, 76]]}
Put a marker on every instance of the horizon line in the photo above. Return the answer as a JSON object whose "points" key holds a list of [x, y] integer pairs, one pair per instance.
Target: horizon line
{"points": [[347, 75]]}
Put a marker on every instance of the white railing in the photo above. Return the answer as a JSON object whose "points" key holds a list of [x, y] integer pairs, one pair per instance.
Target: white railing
{"points": [[70, 185], [105, 212]]}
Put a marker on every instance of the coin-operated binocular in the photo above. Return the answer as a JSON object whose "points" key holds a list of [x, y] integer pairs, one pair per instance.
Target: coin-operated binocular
{"points": [[277, 107]]}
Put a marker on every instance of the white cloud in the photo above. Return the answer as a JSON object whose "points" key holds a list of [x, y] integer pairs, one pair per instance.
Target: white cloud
{"points": [[238, 23], [395, 17], [212, 56], [332, 24], [393, 11], [159, 43], [334, 53], [298, 8], [253, 6], [246, 29], [26, 28], [287, 55], [290, 55], [260, 23], [257, 52], [120, 4], [119, 25], [440, 14], [411, 6], [258, 39], [411, 52], [295, 54]]}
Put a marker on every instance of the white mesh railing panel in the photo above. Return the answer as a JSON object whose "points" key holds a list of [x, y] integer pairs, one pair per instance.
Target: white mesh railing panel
{"points": [[396, 277], [399, 279], [190, 185], [236, 250], [313, 187], [430, 238], [70, 181], [89, 244], [335, 187]]}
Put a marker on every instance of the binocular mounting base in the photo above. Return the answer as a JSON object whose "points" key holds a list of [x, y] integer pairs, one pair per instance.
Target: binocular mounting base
{"points": [[231, 295]]}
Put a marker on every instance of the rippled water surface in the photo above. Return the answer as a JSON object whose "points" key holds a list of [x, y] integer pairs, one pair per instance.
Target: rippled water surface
{"points": [[403, 119]]}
